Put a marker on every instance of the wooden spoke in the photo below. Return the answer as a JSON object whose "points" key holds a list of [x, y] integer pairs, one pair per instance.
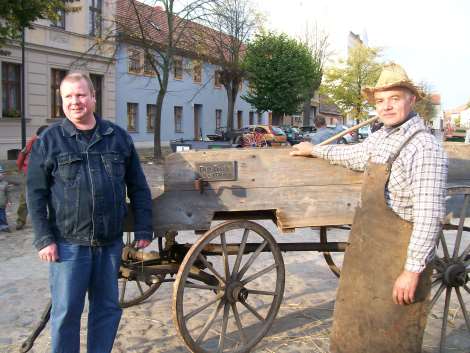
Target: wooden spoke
{"points": [[445, 249], [259, 274], [123, 292], [444, 319], [436, 296], [140, 287], [463, 307], [225, 255], [239, 323], [436, 281], [224, 328], [211, 268], [253, 311], [241, 250], [201, 286], [210, 322], [202, 308], [461, 224], [465, 253], [251, 260], [260, 292]]}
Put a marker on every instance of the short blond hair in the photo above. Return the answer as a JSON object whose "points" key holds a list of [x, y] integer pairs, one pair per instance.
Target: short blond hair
{"points": [[78, 76]]}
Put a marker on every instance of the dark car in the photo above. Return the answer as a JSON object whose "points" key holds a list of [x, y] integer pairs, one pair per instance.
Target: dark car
{"points": [[294, 136]]}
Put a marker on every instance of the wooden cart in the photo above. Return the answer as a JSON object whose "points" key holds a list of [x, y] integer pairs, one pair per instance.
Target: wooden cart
{"points": [[232, 276]]}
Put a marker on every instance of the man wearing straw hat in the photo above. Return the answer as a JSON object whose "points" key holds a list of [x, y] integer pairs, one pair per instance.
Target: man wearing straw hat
{"points": [[385, 281]]}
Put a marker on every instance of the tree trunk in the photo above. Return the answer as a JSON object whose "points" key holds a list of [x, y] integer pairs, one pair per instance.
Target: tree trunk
{"points": [[277, 116], [157, 140], [232, 92], [307, 112]]}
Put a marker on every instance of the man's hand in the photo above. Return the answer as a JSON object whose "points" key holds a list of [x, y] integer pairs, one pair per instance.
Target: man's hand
{"points": [[49, 253], [302, 149], [140, 244], [405, 287]]}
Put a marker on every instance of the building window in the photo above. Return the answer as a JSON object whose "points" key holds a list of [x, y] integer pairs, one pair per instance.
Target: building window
{"points": [[97, 81], [252, 118], [11, 90], [60, 23], [96, 8], [260, 118], [151, 113], [132, 111], [134, 65], [197, 71], [218, 119], [56, 100], [178, 68], [217, 79], [178, 119], [148, 68]]}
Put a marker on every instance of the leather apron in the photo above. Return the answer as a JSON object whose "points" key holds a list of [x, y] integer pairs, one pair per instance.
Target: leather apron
{"points": [[366, 320]]}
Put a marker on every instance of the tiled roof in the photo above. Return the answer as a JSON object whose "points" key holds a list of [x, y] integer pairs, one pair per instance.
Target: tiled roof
{"points": [[196, 39], [328, 108]]}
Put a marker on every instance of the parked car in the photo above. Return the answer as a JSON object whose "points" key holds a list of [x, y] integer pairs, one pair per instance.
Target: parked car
{"points": [[271, 134], [293, 134], [364, 132], [348, 138], [307, 129]]}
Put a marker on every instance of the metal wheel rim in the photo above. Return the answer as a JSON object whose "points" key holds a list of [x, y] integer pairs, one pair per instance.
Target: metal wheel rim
{"points": [[181, 280], [451, 272]]}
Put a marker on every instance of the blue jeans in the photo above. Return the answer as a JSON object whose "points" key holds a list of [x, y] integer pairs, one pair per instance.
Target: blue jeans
{"points": [[78, 270], [3, 219]]}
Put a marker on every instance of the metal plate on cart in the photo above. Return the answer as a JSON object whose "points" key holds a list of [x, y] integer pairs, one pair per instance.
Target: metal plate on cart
{"points": [[217, 171]]}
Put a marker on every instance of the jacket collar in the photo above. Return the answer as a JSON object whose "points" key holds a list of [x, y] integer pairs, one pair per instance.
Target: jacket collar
{"points": [[103, 127]]}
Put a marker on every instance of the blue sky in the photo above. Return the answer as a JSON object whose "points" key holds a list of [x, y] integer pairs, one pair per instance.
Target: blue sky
{"points": [[430, 39]]}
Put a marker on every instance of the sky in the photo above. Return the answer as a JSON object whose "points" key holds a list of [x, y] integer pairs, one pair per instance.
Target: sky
{"points": [[430, 39]]}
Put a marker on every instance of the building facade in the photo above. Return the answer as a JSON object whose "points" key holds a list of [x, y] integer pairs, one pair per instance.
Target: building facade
{"points": [[195, 103], [76, 42]]}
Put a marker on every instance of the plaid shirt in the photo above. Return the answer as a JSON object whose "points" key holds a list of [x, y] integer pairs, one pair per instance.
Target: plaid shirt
{"points": [[416, 189]]}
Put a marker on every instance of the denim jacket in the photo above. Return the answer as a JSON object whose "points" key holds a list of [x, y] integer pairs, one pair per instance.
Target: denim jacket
{"points": [[76, 190]]}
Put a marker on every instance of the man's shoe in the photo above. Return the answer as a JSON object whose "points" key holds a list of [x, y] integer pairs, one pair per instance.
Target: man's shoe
{"points": [[6, 230], [19, 226]]}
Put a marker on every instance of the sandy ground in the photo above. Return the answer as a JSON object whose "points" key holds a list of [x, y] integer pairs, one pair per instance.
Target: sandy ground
{"points": [[302, 324]]}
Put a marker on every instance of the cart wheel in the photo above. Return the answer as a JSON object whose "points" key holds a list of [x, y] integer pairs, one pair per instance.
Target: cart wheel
{"points": [[133, 291], [234, 308], [450, 294], [334, 261]]}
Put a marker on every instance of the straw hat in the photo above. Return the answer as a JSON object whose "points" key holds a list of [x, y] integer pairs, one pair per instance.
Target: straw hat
{"points": [[392, 76]]}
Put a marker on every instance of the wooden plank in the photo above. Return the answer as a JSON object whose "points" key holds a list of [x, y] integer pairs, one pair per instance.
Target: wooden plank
{"points": [[267, 168], [302, 206]]}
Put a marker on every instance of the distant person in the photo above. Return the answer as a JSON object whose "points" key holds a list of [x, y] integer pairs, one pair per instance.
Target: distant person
{"points": [[22, 164], [4, 201], [323, 132], [80, 171]]}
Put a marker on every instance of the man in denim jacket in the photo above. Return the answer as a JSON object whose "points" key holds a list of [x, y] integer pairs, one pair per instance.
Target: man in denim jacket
{"points": [[78, 175]]}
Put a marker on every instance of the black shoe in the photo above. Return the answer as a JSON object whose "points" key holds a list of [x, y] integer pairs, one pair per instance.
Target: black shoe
{"points": [[19, 226], [6, 230]]}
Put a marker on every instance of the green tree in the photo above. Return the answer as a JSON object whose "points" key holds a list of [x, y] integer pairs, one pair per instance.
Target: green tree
{"points": [[15, 15], [425, 106], [281, 71], [343, 83]]}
